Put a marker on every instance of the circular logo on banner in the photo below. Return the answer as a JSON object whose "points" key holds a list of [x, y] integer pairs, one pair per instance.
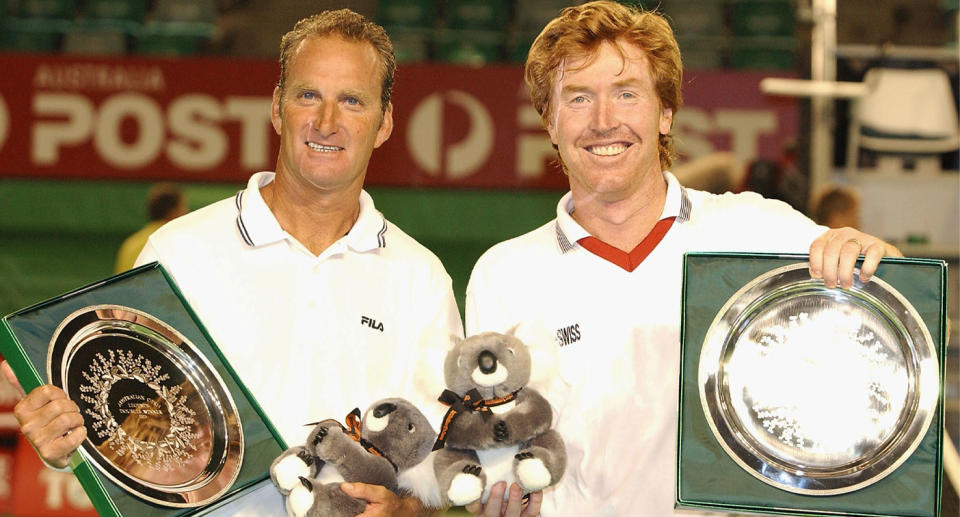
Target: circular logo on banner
{"points": [[426, 129], [4, 123]]}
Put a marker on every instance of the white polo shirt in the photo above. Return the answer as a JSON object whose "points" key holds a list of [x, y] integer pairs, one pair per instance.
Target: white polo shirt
{"points": [[311, 336], [617, 335]]}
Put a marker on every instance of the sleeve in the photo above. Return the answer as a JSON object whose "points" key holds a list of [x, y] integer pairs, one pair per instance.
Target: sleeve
{"points": [[748, 222]]}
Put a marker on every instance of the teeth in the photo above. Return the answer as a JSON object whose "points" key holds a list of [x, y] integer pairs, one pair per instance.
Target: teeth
{"points": [[323, 148], [607, 150]]}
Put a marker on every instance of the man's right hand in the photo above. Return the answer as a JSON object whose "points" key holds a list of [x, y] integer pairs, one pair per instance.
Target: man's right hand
{"points": [[51, 422]]}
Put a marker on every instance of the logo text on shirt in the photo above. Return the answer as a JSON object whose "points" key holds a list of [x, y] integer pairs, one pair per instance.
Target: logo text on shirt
{"points": [[372, 323], [568, 335]]}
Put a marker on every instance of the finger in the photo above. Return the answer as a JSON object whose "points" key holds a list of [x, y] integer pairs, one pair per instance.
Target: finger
{"points": [[31, 416], [816, 254], [849, 253], [871, 260], [58, 452], [830, 261], [533, 505], [514, 502], [41, 396], [12, 379], [495, 500], [44, 430]]}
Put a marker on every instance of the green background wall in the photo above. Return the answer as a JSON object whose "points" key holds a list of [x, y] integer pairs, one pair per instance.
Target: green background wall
{"points": [[59, 235]]}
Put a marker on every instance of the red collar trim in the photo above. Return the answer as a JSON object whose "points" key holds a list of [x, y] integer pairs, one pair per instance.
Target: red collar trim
{"points": [[628, 261]]}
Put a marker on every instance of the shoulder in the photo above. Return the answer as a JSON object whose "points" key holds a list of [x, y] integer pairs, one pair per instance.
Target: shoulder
{"points": [[214, 221], [402, 250], [529, 248]]}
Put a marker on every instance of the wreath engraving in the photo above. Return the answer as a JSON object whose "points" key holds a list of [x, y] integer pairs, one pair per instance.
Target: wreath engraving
{"points": [[167, 452]]}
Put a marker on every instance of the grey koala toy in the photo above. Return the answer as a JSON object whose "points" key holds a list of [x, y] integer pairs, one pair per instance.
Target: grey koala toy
{"points": [[496, 429], [393, 436]]}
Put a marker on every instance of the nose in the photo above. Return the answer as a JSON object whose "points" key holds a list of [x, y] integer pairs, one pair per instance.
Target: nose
{"points": [[384, 409], [327, 119], [487, 362], [604, 116]]}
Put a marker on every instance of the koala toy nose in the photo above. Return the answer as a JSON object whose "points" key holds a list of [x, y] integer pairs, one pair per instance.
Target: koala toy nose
{"points": [[487, 362], [384, 409]]}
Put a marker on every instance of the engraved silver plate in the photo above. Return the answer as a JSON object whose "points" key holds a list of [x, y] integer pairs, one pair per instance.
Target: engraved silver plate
{"points": [[818, 391], [160, 421]]}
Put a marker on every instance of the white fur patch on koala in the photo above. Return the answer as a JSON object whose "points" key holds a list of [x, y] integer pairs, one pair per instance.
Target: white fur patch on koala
{"points": [[328, 474], [464, 489], [375, 424], [497, 463], [299, 501], [489, 379], [421, 481], [533, 474], [289, 470]]}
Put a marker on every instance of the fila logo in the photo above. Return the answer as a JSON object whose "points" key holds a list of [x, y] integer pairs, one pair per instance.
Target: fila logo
{"points": [[372, 323], [568, 335]]}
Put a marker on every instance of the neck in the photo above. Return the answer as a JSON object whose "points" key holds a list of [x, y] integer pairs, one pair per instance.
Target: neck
{"points": [[317, 220], [621, 222]]}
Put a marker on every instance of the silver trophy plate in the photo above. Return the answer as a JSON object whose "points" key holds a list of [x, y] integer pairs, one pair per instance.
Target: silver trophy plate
{"points": [[814, 390], [160, 421]]}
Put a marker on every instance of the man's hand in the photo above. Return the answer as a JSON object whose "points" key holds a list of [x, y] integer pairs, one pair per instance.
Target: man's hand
{"points": [[834, 254], [495, 506], [381, 502], [50, 421]]}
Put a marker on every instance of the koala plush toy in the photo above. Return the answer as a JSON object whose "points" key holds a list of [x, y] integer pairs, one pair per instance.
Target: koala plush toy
{"points": [[393, 437], [496, 428]]}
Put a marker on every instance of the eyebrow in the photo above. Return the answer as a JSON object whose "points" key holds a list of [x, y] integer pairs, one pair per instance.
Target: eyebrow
{"points": [[577, 88]]}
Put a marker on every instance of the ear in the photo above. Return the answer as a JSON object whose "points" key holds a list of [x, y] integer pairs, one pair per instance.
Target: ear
{"points": [[513, 330], [666, 120], [386, 126], [275, 110]]}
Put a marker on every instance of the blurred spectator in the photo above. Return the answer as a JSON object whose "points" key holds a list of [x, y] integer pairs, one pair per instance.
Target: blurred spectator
{"points": [[837, 207], [165, 202]]}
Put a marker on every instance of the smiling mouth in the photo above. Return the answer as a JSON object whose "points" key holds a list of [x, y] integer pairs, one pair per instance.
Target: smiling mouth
{"points": [[608, 149], [323, 148]]}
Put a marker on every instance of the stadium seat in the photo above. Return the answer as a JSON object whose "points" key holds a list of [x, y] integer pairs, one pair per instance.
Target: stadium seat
{"points": [[96, 37], [172, 38], [56, 9], [489, 15], [28, 35], [470, 48], [130, 10], [194, 11], [762, 18], [407, 13]]}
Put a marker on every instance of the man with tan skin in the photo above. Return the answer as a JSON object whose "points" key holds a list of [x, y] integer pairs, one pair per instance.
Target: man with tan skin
{"points": [[318, 302], [606, 273]]}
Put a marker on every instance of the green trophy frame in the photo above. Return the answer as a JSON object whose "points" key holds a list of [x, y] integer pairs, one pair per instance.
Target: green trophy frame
{"points": [[709, 477], [148, 293]]}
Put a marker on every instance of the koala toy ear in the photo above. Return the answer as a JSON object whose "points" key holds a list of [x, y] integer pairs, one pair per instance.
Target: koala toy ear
{"points": [[513, 330]]}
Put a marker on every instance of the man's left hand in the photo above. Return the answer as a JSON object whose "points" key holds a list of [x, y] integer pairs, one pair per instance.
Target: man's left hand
{"points": [[381, 502], [834, 255]]}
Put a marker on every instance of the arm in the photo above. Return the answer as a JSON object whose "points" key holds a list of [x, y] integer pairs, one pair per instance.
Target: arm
{"points": [[834, 254], [50, 421]]}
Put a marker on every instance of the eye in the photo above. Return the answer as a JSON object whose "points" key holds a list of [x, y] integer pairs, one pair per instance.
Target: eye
{"points": [[579, 99], [511, 351], [411, 428], [352, 101], [307, 96]]}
